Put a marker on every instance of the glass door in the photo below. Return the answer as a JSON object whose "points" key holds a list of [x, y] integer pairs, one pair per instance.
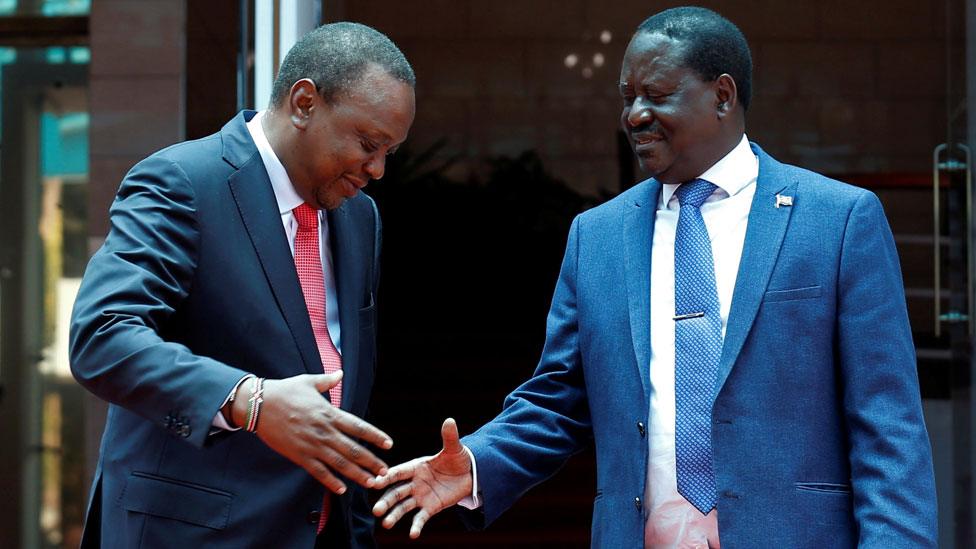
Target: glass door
{"points": [[946, 346], [43, 251]]}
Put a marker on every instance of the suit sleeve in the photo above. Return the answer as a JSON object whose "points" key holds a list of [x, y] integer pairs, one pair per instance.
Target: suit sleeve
{"points": [[128, 296], [890, 456], [545, 420]]}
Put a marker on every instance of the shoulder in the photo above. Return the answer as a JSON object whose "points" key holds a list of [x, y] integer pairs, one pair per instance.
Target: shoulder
{"points": [[362, 206], [188, 161], [199, 157], [811, 185], [612, 212]]}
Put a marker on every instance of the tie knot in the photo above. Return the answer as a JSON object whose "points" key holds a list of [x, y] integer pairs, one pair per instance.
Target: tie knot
{"points": [[694, 192], [307, 217]]}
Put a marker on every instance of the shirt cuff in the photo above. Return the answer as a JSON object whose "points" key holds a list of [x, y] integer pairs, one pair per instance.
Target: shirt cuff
{"points": [[474, 500], [219, 421]]}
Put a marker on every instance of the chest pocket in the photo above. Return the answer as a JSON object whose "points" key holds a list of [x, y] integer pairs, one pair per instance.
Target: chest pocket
{"points": [[793, 294]]}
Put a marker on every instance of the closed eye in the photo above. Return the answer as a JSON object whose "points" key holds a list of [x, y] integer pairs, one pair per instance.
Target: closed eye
{"points": [[368, 145], [656, 96]]}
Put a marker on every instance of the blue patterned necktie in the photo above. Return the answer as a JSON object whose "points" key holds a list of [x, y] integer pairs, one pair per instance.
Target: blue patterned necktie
{"points": [[697, 346]]}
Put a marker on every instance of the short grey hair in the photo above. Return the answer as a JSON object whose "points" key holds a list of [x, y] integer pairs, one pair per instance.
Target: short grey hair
{"points": [[334, 56]]}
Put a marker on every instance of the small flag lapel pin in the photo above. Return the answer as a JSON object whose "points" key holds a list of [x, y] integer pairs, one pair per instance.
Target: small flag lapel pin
{"points": [[783, 200]]}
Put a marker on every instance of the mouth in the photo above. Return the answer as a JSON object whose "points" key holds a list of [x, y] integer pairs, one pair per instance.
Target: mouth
{"points": [[645, 141], [353, 185]]}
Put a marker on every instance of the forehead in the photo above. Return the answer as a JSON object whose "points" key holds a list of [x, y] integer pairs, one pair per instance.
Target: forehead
{"points": [[378, 100], [375, 88], [653, 55]]}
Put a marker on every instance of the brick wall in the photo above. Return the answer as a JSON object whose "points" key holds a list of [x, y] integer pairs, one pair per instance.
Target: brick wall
{"points": [[136, 92]]}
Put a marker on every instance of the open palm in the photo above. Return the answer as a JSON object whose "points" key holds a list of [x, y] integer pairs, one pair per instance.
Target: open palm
{"points": [[430, 484]]}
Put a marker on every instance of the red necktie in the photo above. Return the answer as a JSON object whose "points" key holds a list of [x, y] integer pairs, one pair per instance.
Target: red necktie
{"points": [[308, 263]]}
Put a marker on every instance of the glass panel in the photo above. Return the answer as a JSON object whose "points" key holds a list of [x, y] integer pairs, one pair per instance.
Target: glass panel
{"points": [[50, 8], [45, 131], [62, 229]]}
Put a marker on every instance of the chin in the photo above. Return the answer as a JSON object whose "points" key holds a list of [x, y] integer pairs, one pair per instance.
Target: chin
{"points": [[329, 202], [649, 167], [652, 168]]}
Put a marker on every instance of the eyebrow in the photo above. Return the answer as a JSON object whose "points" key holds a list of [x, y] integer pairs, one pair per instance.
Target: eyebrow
{"points": [[376, 135]]}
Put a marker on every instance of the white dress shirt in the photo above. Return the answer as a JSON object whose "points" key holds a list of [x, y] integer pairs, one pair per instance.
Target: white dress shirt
{"points": [[288, 200], [672, 522]]}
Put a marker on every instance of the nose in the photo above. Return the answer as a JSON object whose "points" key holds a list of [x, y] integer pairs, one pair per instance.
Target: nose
{"points": [[638, 114], [375, 166]]}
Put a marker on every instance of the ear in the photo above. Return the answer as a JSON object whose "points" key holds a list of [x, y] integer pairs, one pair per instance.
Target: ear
{"points": [[726, 95], [301, 101]]}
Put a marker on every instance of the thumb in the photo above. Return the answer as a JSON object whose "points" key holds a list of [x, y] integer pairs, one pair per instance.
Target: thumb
{"points": [[449, 435], [324, 382]]}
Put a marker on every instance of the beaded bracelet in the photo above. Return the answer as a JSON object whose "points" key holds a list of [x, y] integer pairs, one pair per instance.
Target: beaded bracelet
{"points": [[254, 406]]}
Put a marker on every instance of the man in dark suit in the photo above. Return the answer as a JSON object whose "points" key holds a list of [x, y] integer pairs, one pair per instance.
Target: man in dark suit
{"points": [[730, 334], [236, 285]]}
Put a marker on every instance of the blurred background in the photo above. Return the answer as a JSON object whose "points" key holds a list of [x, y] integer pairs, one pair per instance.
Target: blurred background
{"points": [[516, 132]]}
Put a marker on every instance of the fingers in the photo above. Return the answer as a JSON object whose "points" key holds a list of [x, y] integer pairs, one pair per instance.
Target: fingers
{"points": [[398, 512], [449, 435], [355, 463], [324, 475], [419, 520], [360, 429], [390, 498], [298, 423], [402, 472], [324, 382]]}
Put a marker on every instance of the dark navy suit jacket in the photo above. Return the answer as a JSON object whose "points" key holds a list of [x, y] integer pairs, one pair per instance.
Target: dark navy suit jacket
{"points": [[818, 437], [194, 287]]}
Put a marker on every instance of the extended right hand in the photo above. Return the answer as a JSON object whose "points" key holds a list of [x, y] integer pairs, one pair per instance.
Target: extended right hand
{"points": [[432, 483], [299, 423]]}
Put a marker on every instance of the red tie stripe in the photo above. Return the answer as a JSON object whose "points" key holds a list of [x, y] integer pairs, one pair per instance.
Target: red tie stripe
{"points": [[308, 263]]}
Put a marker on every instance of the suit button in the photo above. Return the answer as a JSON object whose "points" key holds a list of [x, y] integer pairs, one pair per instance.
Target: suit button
{"points": [[312, 517], [637, 504], [184, 430], [640, 428]]}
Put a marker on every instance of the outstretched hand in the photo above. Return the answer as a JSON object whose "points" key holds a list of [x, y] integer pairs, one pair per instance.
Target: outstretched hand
{"points": [[431, 483], [299, 423]]}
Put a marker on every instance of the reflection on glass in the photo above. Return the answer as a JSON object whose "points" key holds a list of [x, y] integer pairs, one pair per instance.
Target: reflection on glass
{"points": [[66, 7], [55, 114], [64, 172], [59, 54], [50, 8]]}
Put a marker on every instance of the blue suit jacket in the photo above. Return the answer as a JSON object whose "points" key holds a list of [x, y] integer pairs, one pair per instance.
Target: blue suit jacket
{"points": [[818, 437], [194, 287]]}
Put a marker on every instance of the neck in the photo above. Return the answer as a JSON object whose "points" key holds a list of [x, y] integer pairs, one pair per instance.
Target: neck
{"points": [[275, 132]]}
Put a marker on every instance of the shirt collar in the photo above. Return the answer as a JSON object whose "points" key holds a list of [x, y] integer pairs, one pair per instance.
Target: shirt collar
{"points": [[284, 191], [731, 174]]}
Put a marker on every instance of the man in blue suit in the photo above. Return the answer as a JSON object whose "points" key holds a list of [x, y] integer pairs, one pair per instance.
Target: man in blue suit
{"points": [[730, 334], [236, 285]]}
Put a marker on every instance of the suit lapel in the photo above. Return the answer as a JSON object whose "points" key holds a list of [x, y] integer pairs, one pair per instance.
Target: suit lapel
{"points": [[637, 234], [347, 263], [764, 237], [256, 203]]}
